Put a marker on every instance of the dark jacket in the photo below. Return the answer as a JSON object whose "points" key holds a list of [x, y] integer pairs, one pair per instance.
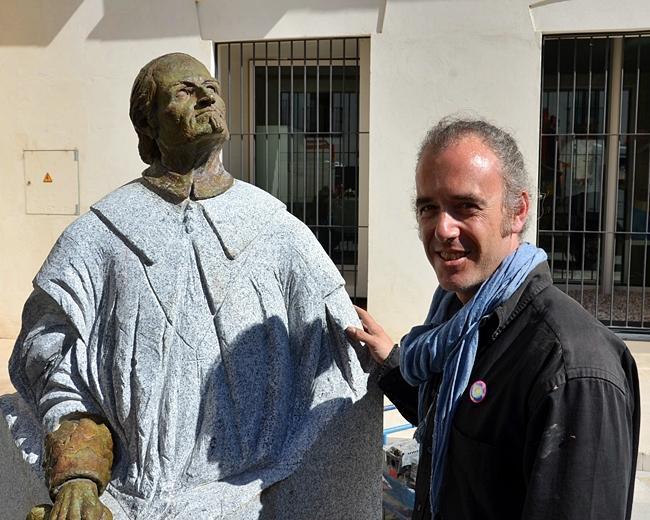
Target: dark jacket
{"points": [[557, 433]]}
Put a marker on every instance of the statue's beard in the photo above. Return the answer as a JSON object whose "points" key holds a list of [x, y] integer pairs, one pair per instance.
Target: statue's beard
{"points": [[215, 123], [199, 123]]}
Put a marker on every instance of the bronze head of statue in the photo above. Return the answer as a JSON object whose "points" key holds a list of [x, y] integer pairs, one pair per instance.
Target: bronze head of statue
{"points": [[177, 111]]}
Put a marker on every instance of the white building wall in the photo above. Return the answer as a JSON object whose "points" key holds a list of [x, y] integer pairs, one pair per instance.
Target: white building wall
{"points": [[432, 59], [68, 67], [428, 58]]}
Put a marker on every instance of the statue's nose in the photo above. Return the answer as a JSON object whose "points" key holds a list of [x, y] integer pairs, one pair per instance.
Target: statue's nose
{"points": [[205, 97]]}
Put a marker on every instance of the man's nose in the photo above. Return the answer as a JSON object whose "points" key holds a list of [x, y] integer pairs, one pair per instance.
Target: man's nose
{"points": [[446, 227], [204, 97]]}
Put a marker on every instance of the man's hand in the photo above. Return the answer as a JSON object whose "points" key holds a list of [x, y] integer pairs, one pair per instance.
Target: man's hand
{"points": [[78, 500], [373, 335]]}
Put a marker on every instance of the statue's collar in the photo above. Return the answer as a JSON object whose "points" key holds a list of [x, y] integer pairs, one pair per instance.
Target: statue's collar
{"points": [[204, 183], [152, 226]]}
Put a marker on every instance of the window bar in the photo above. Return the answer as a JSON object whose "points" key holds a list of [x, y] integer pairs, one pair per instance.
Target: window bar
{"points": [[600, 228], [358, 171], [613, 129], [252, 72], [584, 201], [557, 147], [278, 137], [317, 137], [228, 112], [241, 110], [304, 132], [554, 202], [645, 250], [331, 157], [290, 130], [645, 236], [616, 235], [613, 257], [570, 178], [266, 117], [544, 103], [602, 238], [633, 180], [345, 130]]}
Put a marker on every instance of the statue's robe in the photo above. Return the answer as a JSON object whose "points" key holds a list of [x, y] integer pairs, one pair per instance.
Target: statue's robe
{"points": [[208, 334]]}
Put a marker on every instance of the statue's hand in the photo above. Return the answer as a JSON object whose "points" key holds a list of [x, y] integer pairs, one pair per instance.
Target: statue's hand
{"points": [[78, 500]]}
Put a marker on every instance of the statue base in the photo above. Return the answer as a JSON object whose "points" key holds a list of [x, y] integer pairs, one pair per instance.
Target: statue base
{"points": [[340, 477]]}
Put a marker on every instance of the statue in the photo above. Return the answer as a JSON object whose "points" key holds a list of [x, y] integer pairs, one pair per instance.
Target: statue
{"points": [[183, 348]]}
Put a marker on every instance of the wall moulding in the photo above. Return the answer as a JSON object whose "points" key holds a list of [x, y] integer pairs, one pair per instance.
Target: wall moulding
{"points": [[288, 19], [570, 16]]}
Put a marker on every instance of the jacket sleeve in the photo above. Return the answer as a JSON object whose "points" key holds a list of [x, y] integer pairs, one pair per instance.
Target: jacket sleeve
{"points": [[43, 366], [401, 394], [47, 366], [580, 452]]}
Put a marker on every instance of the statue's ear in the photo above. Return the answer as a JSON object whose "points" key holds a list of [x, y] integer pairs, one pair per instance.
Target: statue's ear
{"points": [[147, 147], [150, 129], [150, 133]]}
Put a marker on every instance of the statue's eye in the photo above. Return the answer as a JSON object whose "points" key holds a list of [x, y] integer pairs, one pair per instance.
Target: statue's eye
{"points": [[182, 93], [212, 87]]}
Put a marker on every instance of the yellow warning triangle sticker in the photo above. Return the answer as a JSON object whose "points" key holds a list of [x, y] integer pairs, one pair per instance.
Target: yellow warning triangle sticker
{"points": [[47, 178]]}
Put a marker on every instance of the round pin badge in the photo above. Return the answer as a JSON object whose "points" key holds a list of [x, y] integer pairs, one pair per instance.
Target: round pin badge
{"points": [[477, 391]]}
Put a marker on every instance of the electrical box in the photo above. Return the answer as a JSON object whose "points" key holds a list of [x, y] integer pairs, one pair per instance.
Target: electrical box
{"points": [[51, 182]]}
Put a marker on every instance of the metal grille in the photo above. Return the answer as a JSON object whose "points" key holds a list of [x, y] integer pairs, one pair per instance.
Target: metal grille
{"points": [[297, 114], [594, 173]]}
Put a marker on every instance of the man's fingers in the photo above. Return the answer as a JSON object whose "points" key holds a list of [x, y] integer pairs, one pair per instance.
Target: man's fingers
{"points": [[358, 334], [362, 335], [373, 342], [368, 321], [360, 311]]}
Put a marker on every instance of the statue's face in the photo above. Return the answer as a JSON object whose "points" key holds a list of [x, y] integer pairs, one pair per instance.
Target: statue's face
{"points": [[189, 108]]}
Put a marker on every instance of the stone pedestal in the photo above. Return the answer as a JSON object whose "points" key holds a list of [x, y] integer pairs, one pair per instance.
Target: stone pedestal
{"points": [[339, 477]]}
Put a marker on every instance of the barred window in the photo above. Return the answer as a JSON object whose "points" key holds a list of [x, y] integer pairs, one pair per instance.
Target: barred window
{"points": [[297, 113], [594, 172]]}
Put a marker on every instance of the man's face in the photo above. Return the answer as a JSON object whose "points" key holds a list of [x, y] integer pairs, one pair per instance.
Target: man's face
{"points": [[463, 226], [189, 108]]}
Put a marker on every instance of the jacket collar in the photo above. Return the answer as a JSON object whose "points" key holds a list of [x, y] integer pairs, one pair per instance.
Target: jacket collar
{"points": [[152, 226], [538, 280]]}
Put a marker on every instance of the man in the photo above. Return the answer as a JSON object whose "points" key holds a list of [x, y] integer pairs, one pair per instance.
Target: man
{"points": [[528, 408], [184, 345]]}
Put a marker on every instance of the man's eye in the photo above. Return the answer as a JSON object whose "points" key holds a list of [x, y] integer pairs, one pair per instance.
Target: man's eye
{"points": [[426, 209], [182, 93], [468, 206], [212, 88]]}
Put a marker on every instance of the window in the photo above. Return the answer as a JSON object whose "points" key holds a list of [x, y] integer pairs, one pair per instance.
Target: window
{"points": [[297, 113], [594, 172]]}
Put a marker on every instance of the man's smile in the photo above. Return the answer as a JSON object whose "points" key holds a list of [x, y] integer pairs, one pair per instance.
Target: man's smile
{"points": [[448, 256]]}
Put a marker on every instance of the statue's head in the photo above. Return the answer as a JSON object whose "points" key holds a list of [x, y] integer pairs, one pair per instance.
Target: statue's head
{"points": [[175, 102]]}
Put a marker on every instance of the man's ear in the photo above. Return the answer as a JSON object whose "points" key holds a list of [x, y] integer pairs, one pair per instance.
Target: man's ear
{"points": [[520, 213]]}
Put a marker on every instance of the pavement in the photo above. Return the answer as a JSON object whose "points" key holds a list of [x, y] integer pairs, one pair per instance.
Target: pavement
{"points": [[640, 351]]}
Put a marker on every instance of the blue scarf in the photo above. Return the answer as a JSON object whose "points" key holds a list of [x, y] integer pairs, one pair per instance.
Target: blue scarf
{"points": [[450, 347]]}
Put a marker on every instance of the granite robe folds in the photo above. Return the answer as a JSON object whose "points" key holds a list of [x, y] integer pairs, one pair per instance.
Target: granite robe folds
{"points": [[209, 335]]}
